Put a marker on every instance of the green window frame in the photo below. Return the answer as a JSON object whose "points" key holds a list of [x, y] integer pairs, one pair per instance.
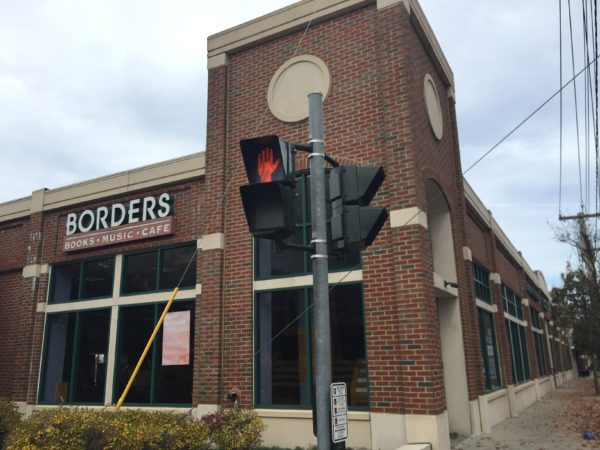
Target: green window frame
{"points": [[481, 281], [284, 346], [532, 292], [538, 341], [489, 350], [151, 374], [68, 339], [518, 346], [80, 282], [159, 281], [512, 303], [545, 304], [272, 262], [535, 318]]}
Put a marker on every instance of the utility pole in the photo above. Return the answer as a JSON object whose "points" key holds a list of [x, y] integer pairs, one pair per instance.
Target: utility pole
{"points": [[320, 268]]}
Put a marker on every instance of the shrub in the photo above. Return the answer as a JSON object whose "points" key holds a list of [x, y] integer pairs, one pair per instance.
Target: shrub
{"points": [[72, 428], [78, 428], [241, 429], [10, 417]]}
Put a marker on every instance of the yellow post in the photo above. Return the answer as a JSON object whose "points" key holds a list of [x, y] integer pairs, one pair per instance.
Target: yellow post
{"points": [[145, 352]]}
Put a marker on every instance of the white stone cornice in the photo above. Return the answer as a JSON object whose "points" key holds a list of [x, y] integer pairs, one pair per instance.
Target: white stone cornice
{"points": [[34, 270], [495, 278], [215, 241], [467, 254], [408, 216]]}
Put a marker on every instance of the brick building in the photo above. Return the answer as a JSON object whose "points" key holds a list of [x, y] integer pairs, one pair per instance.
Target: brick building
{"points": [[440, 326]]}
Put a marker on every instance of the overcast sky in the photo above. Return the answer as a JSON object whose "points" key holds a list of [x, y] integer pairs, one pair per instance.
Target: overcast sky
{"points": [[96, 87]]}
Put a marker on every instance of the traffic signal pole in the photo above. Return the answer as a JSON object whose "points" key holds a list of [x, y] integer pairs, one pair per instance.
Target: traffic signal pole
{"points": [[320, 269]]}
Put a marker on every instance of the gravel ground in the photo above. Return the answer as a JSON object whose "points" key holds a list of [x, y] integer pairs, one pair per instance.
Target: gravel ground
{"points": [[557, 422]]}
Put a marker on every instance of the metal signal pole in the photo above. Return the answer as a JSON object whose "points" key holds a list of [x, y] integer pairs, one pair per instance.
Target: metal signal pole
{"points": [[320, 268]]}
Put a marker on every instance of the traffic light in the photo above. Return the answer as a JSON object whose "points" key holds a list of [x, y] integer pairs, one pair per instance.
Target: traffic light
{"points": [[269, 198], [354, 224]]}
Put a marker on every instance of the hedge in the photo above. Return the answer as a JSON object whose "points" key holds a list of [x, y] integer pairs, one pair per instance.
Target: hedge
{"points": [[73, 428]]}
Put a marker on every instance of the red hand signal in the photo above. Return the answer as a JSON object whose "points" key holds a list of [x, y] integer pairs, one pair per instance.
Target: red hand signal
{"points": [[266, 165]]}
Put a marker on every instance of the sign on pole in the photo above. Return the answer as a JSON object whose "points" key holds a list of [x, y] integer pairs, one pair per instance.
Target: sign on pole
{"points": [[339, 412]]}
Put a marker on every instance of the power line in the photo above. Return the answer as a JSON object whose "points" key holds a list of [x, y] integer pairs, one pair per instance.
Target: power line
{"points": [[522, 122], [576, 108]]}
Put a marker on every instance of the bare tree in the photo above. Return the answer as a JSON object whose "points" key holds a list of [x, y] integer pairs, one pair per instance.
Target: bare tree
{"points": [[578, 301]]}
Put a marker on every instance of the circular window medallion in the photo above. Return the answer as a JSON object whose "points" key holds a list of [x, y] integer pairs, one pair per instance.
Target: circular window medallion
{"points": [[434, 109], [291, 84]]}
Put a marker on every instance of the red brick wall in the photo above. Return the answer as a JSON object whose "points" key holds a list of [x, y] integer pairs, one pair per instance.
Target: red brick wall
{"points": [[374, 114], [509, 271], [478, 242], [38, 240], [11, 284]]}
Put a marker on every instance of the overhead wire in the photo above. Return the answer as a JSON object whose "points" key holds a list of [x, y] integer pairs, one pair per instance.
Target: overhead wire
{"points": [[587, 94], [576, 108], [560, 108]]}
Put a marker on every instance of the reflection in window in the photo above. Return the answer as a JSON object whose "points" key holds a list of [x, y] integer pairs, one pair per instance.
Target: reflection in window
{"points": [[489, 350], [174, 263], [348, 342], [283, 362], [98, 278], [140, 272], [155, 382], [518, 345], [66, 282], [538, 340], [159, 269], [75, 357], [82, 280]]}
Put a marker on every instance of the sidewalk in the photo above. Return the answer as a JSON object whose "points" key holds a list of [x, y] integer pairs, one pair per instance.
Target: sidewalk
{"points": [[556, 422]]}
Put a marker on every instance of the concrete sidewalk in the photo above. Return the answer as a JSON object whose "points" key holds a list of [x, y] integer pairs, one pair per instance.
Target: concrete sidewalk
{"points": [[549, 424]]}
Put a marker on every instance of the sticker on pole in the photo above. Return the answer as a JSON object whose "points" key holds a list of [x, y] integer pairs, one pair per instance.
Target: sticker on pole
{"points": [[339, 412]]}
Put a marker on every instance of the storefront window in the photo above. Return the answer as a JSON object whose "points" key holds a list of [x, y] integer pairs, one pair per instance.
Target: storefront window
{"points": [[481, 281], [512, 304], [538, 340], [518, 345], [489, 350], [82, 280], [284, 346], [159, 269], [159, 381], [75, 355]]}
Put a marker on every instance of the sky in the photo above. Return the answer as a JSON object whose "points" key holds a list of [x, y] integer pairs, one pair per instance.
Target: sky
{"points": [[92, 88]]}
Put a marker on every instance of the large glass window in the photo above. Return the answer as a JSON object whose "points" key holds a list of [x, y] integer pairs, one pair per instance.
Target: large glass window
{"points": [[489, 350], [162, 379], [82, 280], [512, 303], [75, 356], [538, 340], [535, 317], [159, 269], [276, 261], [284, 346], [518, 345], [481, 280]]}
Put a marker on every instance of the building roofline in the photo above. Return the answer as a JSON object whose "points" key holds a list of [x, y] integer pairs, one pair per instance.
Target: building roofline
{"points": [[486, 216], [296, 16], [174, 170]]}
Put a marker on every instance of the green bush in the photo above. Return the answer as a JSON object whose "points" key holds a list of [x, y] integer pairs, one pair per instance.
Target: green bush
{"points": [[70, 428], [10, 417], [241, 429]]}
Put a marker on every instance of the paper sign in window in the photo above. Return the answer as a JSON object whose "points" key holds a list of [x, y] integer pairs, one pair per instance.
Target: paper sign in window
{"points": [[176, 339]]}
